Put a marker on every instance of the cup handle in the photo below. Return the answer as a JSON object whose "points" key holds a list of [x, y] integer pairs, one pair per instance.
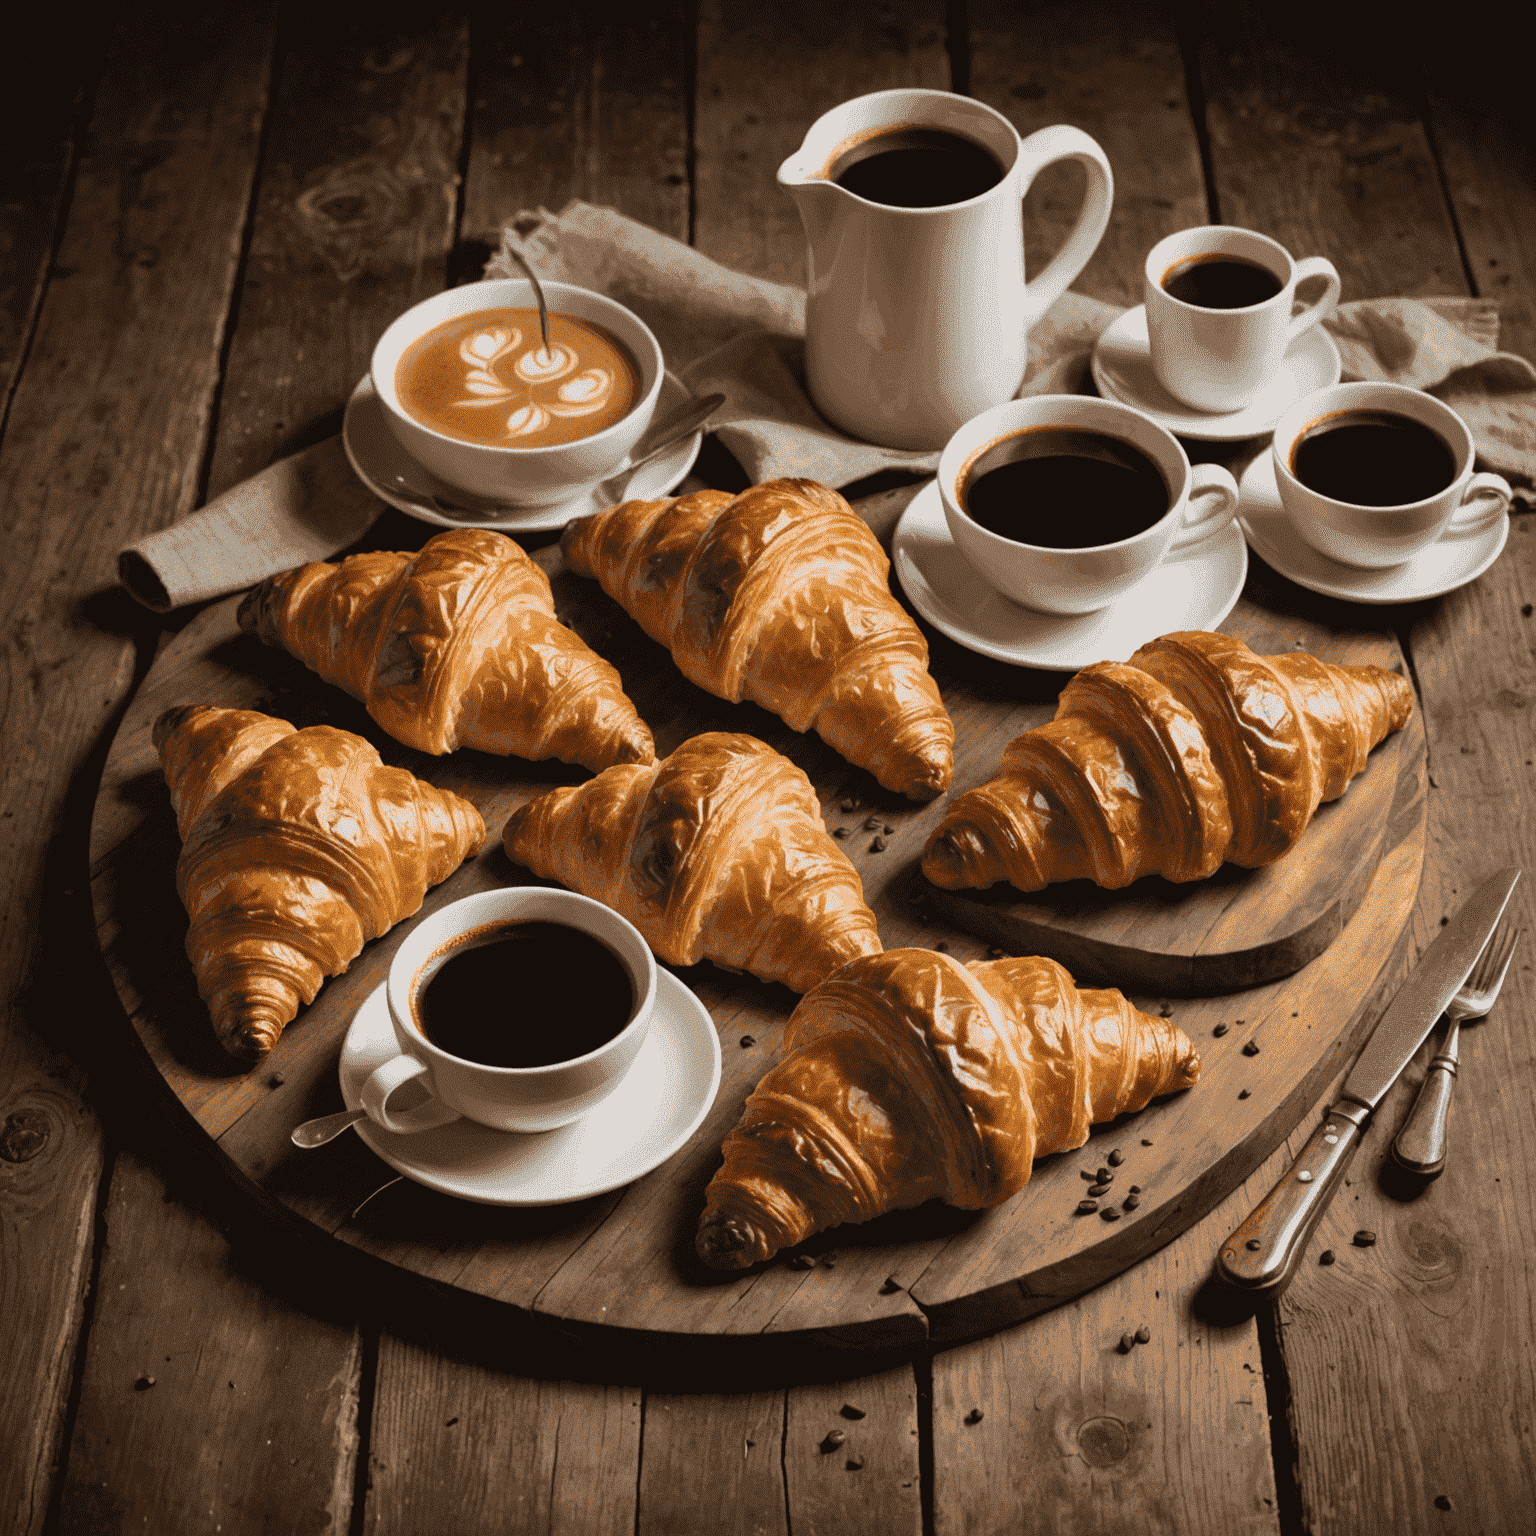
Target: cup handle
{"points": [[1212, 504], [1483, 503], [1321, 308], [1045, 147], [380, 1087]]}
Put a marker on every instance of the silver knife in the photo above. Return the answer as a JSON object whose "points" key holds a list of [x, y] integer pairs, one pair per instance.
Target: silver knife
{"points": [[1260, 1257]]}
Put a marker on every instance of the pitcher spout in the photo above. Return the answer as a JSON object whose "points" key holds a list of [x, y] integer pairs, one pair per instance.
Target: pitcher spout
{"points": [[821, 203]]}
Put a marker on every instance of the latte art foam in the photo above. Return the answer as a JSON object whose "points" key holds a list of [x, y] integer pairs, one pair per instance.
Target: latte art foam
{"points": [[487, 378]]}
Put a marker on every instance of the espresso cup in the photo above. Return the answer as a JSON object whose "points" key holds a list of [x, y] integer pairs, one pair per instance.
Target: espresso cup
{"points": [[1371, 536], [1198, 503], [545, 476], [426, 1086], [1211, 356]]}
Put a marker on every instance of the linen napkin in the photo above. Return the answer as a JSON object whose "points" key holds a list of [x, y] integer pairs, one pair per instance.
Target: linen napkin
{"points": [[723, 330]]}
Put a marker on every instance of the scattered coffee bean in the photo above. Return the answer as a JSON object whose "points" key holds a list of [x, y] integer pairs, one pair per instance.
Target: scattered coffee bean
{"points": [[1326, 1256], [1165, 1012], [1089, 1174], [889, 830], [1220, 1030], [1143, 1335], [276, 1080], [942, 946], [1251, 1049], [1127, 1343], [1364, 1238], [1525, 610], [1104, 1175], [849, 803], [1145, 1142], [853, 1464], [1241, 1022], [1109, 1213], [835, 1438], [1087, 1207], [840, 832], [871, 823], [848, 1411], [975, 1416], [1441, 1502], [889, 1288], [1253, 1245], [748, 1041], [1130, 1202], [144, 1383], [1135, 1189], [830, 1261], [1243, 1094], [1095, 1190], [802, 1261], [449, 1423], [1116, 1158], [878, 845]]}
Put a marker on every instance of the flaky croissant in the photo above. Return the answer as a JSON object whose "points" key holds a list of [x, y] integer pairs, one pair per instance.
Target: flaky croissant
{"points": [[455, 646], [1194, 752], [298, 847], [909, 1077], [717, 852], [779, 595]]}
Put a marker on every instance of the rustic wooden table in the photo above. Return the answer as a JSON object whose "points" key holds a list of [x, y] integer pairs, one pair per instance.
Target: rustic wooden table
{"points": [[204, 228]]}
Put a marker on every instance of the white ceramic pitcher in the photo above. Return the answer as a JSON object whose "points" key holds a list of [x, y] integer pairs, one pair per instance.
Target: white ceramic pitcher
{"points": [[917, 319]]}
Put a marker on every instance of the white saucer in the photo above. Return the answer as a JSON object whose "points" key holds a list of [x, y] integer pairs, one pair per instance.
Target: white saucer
{"points": [[1193, 590], [1444, 566], [378, 459], [1122, 368], [657, 1107]]}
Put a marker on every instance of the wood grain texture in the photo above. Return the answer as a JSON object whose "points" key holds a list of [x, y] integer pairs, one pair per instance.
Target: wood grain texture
{"points": [[1115, 71], [460, 1444], [579, 102], [105, 433], [765, 74], [200, 1408], [1171, 1439]]}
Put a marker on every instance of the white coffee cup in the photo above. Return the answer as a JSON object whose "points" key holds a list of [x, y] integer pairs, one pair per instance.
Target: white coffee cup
{"points": [[1374, 538], [504, 1098], [544, 476], [1202, 500], [1219, 359]]}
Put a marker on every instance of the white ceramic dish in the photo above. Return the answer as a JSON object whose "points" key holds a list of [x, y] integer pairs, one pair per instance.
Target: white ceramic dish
{"points": [[1122, 369], [659, 1105], [1444, 566], [1191, 590], [377, 458]]}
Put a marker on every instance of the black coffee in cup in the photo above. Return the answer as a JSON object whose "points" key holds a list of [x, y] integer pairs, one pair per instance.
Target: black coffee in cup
{"points": [[1221, 282], [910, 167], [523, 994], [1372, 459], [1064, 488]]}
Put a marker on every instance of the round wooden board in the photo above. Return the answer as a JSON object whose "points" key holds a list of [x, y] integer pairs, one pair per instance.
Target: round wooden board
{"points": [[618, 1272]]}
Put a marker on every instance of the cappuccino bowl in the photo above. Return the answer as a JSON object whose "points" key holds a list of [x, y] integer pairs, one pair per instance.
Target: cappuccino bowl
{"points": [[1200, 502], [544, 476], [425, 1085]]}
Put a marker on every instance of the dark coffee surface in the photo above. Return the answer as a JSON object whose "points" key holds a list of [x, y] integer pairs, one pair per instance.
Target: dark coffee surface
{"points": [[1065, 489], [1221, 282], [525, 995], [918, 168], [1373, 459]]}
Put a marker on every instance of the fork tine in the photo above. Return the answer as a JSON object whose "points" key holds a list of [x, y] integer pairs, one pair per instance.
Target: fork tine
{"points": [[1494, 961]]}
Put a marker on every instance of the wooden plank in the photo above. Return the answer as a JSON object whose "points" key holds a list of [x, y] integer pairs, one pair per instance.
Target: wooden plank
{"points": [[105, 434], [580, 102], [1115, 71], [463, 1444], [1036, 1425], [200, 1406], [1391, 1345], [765, 74]]}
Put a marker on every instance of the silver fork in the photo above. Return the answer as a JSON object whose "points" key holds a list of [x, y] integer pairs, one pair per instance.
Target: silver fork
{"points": [[1420, 1145]]}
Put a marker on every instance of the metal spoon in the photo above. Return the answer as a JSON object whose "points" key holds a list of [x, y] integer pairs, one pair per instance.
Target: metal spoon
{"points": [[538, 293], [315, 1133], [660, 436]]}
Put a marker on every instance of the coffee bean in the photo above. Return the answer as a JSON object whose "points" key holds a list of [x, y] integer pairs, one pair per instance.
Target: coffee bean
{"points": [[1130, 1202], [1441, 1502], [888, 830], [1143, 1335], [1145, 1142], [1165, 1012], [850, 802], [144, 1383], [1241, 1022], [975, 1416], [1127, 1343], [878, 845], [802, 1261], [1135, 1189], [1104, 1175], [276, 1080], [748, 1041], [1251, 1049], [835, 1437], [1116, 1158], [853, 1464], [1095, 1190], [1088, 1174], [848, 1411], [830, 1261], [1109, 1213], [942, 947], [1087, 1207], [871, 823], [1243, 1094], [1220, 1030], [1326, 1256], [840, 832], [1253, 1245], [1364, 1238]]}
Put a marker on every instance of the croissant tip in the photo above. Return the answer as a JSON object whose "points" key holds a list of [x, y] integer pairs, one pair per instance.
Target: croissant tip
{"points": [[728, 1242]]}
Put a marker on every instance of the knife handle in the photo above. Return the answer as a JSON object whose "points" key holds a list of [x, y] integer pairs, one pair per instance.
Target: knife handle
{"points": [[1420, 1145], [1261, 1256]]}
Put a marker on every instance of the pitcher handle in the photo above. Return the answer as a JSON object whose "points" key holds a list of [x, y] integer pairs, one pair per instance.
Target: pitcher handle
{"points": [[1044, 148]]}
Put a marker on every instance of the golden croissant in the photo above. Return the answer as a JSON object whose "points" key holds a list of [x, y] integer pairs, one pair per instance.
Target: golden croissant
{"points": [[298, 847], [779, 595], [1194, 752], [909, 1077], [717, 852], [455, 646]]}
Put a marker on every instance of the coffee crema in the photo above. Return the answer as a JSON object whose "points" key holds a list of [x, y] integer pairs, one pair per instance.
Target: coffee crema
{"points": [[1064, 488], [1372, 459], [522, 994], [910, 167], [1218, 281], [486, 378]]}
